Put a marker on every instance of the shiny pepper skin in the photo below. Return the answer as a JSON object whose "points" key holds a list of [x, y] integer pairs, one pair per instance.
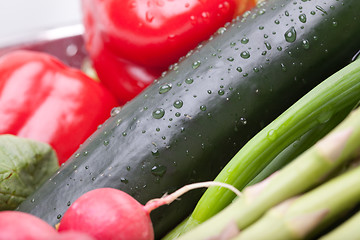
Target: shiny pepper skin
{"points": [[131, 42], [43, 99]]}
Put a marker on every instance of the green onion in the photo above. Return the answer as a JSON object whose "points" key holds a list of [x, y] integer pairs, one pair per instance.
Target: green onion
{"points": [[337, 94]]}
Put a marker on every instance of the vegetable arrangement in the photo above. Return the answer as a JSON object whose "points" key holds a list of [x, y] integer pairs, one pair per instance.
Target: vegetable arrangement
{"points": [[238, 107], [122, 217], [241, 79], [108, 213]]}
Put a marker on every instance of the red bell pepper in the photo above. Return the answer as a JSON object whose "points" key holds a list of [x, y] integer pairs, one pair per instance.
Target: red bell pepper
{"points": [[43, 99], [123, 78], [132, 41]]}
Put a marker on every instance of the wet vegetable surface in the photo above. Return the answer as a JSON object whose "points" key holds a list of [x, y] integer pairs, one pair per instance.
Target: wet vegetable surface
{"points": [[186, 126]]}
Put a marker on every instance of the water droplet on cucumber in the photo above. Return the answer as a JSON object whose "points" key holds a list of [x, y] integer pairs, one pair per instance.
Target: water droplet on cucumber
{"points": [[245, 54], [158, 113], [165, 88], [244, 40], [243, 121], [155, 152], [158, 170], [196, 64], [302, 18], [115, 111], [178, 104], [189, 80], [305, 44], [267, 45], [124, 180], [321, 9], [290, 35]]}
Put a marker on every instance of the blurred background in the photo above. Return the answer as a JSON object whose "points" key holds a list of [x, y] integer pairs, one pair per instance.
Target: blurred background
{"points": [[23, 17]]}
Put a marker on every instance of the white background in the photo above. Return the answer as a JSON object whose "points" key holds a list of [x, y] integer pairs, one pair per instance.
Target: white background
{"points": [[19, 17]]}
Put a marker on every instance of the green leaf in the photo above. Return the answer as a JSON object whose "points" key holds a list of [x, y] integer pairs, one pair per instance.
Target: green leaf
{"points": [[24, 165]]}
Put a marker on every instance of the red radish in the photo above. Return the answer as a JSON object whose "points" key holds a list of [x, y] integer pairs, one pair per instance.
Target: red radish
{"points": [[23, 226], [108, 213], [18, 225], [72, 235]]}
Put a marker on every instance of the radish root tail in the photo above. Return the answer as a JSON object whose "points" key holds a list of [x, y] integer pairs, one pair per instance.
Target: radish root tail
{"points": [[167, 199]]}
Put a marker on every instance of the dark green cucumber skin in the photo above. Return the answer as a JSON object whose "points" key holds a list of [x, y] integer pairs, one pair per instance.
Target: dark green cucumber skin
{"points": [[222, 108]]}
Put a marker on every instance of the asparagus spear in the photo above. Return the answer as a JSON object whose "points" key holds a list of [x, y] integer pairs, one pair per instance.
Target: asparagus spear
{"points": [[287, 155], [306, 171], [348, 230], [297, 218], [339, 92]]}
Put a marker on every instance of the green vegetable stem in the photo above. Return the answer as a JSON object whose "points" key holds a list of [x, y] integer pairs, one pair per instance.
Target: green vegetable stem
{"points": [[299, 146], [348, 230], [338, 93], [286, 156], [308, 170], [298, 218]]}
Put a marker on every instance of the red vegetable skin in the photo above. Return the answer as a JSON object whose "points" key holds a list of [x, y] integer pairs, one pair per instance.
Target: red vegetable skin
{"points": [[72, 235], [156, 32], [108, 213], [123, 78], [43, 99], [23, 226], [131, 42]]}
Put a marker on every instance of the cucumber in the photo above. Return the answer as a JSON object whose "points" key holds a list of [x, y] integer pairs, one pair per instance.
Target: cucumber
{"points": [[189, 123]]}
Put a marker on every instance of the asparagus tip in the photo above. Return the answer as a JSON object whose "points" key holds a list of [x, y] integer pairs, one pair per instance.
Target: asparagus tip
{"points": [[302, 225], [252, 192], [332, 146], [229, 232]]}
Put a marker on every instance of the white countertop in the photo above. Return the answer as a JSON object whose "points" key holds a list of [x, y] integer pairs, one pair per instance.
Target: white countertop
{"points": [[20, 17]]}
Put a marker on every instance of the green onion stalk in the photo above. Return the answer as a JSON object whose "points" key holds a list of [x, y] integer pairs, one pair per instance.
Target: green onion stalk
{"points": [[307, 171], [332, 99]]}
